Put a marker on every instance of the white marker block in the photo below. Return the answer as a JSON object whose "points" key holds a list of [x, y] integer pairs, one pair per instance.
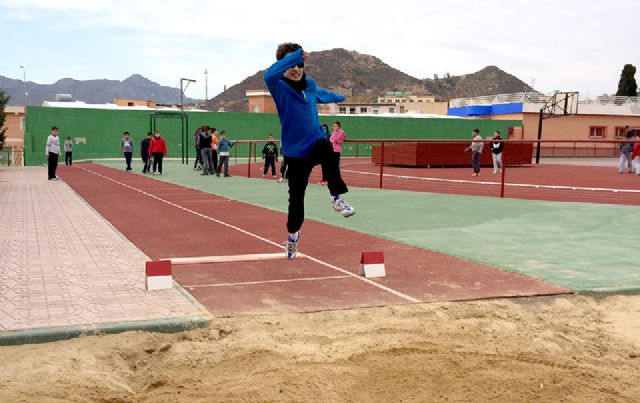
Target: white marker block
{"points": [[159, 275], [372, 264]]}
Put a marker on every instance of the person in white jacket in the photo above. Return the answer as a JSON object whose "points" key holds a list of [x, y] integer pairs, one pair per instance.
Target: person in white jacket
{"points": [[52, 151]]}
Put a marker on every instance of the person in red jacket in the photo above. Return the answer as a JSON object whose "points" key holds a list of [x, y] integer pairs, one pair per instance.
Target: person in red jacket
{"points": [[635, 157], [157, 150]]}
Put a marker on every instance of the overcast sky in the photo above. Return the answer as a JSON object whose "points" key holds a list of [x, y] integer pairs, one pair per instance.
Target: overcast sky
{"points": [[562, 45]]}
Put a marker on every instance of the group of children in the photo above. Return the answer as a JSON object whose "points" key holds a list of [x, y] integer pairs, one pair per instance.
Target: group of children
{"points": [[270, 153], [476, 147], [152, 148], [629, 154], [212, 154]]}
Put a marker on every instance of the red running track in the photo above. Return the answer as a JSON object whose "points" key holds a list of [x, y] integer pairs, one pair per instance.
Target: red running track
{"points": [[166, 220]]}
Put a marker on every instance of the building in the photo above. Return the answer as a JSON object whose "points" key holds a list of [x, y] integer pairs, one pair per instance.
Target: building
{"points": [[134, 102], [407, 102], [260, 101], [603, 118], [14, 141], [362, 108]]}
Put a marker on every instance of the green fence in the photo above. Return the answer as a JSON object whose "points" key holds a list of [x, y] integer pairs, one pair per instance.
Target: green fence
{"points": [[96, 133]]}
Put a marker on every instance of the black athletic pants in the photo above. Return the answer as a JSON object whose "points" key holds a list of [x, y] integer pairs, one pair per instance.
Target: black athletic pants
{"points": [[299, 170], [52, 164], [157, 162], [198, 158], [147, 163], [127, 158], [269, 161]]}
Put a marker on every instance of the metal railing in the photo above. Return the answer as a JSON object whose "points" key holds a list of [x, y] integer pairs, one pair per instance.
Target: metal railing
{"points": [[528, 97], [538, 98]]}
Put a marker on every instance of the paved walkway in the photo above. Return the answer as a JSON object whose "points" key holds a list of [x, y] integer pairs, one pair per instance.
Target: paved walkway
{"points": [[63, 265]]}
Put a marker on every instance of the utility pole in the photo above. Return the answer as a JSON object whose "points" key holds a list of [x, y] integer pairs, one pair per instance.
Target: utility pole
{"points": [[206, 85], [24, 87]]}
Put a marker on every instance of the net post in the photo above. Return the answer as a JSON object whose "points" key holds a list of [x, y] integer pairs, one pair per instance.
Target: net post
{"points": [[381, 163], [249, 161], [503, 167], [539, 137]]}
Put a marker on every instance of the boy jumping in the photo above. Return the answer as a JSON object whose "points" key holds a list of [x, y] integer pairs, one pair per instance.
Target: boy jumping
{"points": [[303, 141]]}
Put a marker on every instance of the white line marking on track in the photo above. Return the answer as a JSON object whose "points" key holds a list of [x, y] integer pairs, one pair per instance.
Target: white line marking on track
{"points": [[206, 217], [494, 183], [290, 280]]}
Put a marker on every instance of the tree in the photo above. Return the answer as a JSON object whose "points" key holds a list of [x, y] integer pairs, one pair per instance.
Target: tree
{"points": [[627, 87], [3, 103]]}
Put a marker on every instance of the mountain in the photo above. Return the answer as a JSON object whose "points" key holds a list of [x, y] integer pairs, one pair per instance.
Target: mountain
{"points": [[488, 81], [92, 91], [363, 78]]}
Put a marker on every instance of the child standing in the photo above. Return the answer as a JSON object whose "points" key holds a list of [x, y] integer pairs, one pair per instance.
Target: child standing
{"points": [[626, 148], [303, 141], [337, 138], [214, 147], [270, 156], [126, 148], [223, 150], [205, 151], [198, 163], [476, 151], [52, 151], [68, 151], [144, 153], [157, 150], [496, 152]]}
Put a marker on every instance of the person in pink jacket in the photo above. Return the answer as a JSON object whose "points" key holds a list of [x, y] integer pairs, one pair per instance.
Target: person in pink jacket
{"points": [[337, 138], [635, 157]]}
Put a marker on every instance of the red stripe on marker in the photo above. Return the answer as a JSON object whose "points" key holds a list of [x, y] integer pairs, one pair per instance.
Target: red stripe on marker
{"points": [[158, 268]]}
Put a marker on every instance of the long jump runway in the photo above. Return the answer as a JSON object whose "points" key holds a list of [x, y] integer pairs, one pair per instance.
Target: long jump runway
{"points": [[249, 277]]}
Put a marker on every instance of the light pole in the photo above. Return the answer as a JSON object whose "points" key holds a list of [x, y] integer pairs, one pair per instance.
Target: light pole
{"points": [[24, 86], [206, 85], [182, 90]]}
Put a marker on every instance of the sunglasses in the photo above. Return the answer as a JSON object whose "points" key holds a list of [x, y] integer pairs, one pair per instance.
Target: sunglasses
{"points": [[300, 65]]}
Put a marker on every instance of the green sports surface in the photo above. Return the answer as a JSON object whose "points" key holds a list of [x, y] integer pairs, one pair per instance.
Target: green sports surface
{"points": [[583, 246]]}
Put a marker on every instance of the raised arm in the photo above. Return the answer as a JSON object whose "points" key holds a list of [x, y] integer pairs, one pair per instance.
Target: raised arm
{"points": [[327, 97], [273, 73]]}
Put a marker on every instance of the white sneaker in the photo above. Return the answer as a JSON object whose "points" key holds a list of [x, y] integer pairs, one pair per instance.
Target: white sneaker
{"points": [[494, 171], [343, 207], [291, 246]]}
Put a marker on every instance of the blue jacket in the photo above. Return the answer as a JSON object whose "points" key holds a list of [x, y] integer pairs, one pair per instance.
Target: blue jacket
{"points": [[297, 110], [224, 145]]}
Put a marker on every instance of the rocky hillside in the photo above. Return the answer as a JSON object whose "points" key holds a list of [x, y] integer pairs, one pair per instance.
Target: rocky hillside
{"points": [[366, 77]]}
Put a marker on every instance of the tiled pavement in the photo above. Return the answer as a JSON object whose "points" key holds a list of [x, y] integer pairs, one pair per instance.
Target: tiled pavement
{"points": [[62, 264]]}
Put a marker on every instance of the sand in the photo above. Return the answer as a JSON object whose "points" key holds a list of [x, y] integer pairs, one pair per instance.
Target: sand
{"points": [[569, 348]]}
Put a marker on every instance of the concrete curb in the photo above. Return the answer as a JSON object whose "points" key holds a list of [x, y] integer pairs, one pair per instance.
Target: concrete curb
{"points": [[46, 335]]}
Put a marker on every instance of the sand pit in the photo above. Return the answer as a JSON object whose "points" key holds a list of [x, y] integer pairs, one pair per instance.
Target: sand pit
{"points": [[569, 348]]}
